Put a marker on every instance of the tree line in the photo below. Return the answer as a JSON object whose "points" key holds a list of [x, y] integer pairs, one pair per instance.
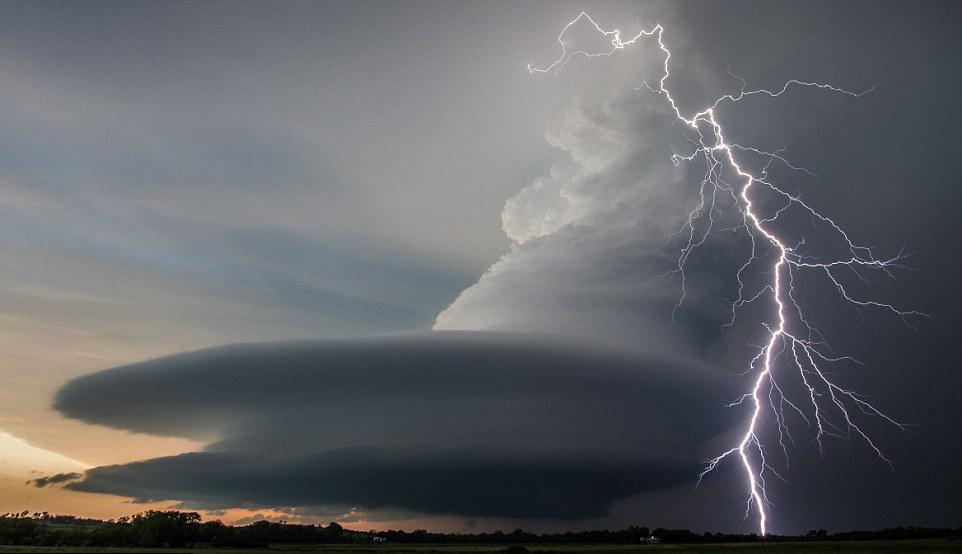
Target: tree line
{"points": [[155, 528], [178, 529]]}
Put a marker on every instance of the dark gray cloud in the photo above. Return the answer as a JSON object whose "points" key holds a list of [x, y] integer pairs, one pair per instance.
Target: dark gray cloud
{"points": [[57, 479], [470, 482], [474, 424], [886, 176], [603, 216]]}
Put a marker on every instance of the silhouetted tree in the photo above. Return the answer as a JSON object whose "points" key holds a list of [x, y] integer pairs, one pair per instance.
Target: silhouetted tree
{"points": [[157, 528]]}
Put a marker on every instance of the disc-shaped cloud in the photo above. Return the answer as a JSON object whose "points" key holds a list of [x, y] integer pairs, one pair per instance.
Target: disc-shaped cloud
{"points": [[475, 424]]}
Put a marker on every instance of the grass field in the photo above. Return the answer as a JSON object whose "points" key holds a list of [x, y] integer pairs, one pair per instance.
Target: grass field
{"points": [[931, 546]]}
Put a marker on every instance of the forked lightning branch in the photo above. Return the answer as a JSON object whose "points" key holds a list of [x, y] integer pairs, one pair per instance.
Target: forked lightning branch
{"points": [[792, 347]]}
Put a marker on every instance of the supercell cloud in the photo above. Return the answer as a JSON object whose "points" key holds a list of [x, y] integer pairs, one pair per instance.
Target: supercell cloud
{"points": [[555, 386], [263, 174], [473, 424]]}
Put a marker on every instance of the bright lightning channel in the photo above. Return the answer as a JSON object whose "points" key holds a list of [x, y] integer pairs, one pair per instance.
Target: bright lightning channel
{"points": [[804, 349]]}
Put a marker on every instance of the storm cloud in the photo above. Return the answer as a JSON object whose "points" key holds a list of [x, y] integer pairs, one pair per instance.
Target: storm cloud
{"points": [[474, 424], [562, 382], [597, 240], [183, 175]]}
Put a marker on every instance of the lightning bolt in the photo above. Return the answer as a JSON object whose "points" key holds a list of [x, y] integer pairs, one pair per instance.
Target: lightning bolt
{"points": [[793, 347]]}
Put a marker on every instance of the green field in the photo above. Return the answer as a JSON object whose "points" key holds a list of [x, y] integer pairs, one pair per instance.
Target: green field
{"points": [[929, 546]]}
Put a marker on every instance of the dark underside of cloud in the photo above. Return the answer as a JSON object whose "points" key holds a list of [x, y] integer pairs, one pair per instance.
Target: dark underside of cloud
{"points": [[469, 482], [474, 424]]}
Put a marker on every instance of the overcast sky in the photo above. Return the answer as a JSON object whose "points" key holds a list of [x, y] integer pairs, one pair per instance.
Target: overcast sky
{"points": [[436, 287]]}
